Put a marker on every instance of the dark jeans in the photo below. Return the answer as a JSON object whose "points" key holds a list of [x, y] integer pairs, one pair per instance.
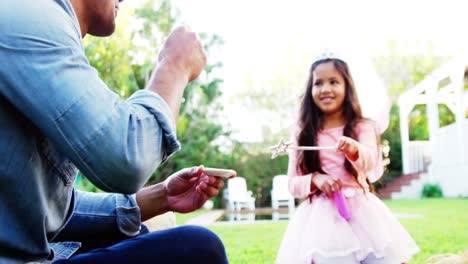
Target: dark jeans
{"points": [[184, 244]]}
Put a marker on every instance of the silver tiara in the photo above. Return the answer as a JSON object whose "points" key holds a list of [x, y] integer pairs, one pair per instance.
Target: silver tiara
{"points": [[328, 54]]}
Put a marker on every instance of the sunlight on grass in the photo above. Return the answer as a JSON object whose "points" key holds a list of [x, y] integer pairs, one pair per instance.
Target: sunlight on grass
{"points": [[181, 219], [443, 229], [251, 243]]}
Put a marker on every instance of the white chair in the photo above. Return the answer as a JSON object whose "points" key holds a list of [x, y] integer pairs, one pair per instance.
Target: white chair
{"points": [[237, 196], [280, 195]]}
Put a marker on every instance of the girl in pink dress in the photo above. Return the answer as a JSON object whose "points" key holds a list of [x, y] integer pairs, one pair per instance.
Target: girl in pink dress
{"points": [[331, 116]]}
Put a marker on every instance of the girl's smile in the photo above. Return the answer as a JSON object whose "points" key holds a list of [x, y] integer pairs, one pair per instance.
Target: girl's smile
{"points": [[327, 99]]}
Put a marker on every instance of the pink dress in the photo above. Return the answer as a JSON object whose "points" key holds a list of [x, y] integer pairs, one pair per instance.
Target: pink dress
{"points": [[316, 230]]}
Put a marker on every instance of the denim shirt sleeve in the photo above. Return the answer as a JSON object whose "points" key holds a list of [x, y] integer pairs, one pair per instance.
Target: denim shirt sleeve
{"points": [[97, 218], [116, 143], [98, 212]]}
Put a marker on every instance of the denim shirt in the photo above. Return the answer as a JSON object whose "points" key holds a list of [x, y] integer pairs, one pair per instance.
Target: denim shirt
{"points": [[97, 220], [56, 115]]}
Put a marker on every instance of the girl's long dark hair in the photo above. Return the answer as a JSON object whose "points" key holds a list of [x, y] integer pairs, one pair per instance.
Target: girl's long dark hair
{"points": [[311, 119]]}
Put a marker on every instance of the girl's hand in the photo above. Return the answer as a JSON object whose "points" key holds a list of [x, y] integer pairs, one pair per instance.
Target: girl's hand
{"points": [[327, 184], [349, 147]]}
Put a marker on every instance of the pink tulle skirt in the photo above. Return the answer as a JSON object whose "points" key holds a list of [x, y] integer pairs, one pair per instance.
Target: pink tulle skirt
{"points": [[317, 230]]}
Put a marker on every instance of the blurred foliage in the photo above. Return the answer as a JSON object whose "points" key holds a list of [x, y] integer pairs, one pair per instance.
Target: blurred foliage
{"points": [[82, 183], [432, 191], [393, 137], [400, 71], [112, 59]]}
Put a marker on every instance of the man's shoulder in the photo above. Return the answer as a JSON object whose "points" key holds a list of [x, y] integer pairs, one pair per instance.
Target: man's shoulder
{"points": [[47, 19]]}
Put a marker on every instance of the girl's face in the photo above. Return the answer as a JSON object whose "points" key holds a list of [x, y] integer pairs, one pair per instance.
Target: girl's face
{"points": [[329, 88]]}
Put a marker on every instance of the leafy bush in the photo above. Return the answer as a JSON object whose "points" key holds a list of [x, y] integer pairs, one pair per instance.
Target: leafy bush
{"points": [[432, 190]]}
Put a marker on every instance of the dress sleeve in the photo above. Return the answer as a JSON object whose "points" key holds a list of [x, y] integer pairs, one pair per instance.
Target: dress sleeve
{"points": [[300, 185], [369, 161]]}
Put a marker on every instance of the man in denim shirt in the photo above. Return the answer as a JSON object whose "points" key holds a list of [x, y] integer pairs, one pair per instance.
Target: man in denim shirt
{"points": [[56, 115]]}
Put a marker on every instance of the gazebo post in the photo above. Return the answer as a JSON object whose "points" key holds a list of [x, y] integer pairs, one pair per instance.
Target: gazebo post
{"points": [[459, 92], [404, 133]]}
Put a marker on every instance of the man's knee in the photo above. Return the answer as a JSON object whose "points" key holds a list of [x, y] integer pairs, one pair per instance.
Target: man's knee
{"points": [[193, 244], [206, 244]]}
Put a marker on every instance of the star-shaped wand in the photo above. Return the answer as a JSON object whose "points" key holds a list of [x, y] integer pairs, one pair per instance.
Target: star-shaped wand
{"points": [[282, 148]]}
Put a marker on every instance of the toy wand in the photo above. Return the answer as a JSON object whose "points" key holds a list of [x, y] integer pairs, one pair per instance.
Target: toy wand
{"points": [[339, 199], [282, 148]]}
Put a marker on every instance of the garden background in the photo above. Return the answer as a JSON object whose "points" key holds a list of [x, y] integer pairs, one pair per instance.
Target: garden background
{"points": [[125, 62]]}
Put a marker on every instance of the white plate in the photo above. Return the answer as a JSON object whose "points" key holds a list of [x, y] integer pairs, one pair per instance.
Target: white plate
{"points": [[224, 173]]}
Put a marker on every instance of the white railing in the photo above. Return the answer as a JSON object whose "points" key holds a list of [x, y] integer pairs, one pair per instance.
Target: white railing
{"points": [[419, 156]]}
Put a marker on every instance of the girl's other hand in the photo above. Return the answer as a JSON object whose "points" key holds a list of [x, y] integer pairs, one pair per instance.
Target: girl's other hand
{"points": [[327, 184], [349, 147]]}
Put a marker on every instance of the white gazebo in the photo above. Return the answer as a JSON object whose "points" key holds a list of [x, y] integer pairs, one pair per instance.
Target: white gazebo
{"points": [[443, 159]]}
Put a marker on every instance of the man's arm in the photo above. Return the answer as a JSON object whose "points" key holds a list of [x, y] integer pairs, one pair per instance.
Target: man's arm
{"points": [[172, 74], [100, 218], [116, 143], [184, 191], [152, 201]]}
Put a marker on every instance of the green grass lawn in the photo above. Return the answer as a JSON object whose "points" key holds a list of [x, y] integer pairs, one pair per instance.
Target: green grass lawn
{"points": [[444, 229], [183, 218]]}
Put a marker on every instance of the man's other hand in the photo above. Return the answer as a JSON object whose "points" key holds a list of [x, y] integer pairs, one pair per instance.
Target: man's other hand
{"points": [[188, 189], [183, 52]]}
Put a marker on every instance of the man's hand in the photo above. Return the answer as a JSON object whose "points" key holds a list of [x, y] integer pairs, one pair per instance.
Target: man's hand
{"points": [[327, 184], [349, 147], [180, 61], [188, 189], [183, 51]]}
